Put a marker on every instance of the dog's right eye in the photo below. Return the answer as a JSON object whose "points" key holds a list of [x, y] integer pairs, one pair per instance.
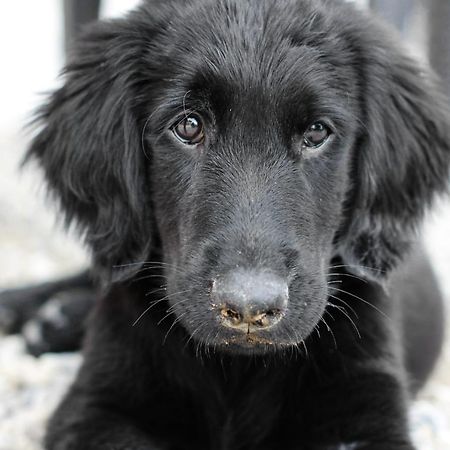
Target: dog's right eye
{"points": [[316, 135], [189, 130]]}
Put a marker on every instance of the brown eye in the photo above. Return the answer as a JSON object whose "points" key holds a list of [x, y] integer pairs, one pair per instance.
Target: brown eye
{"points": [[316, 135], [189, 130]]}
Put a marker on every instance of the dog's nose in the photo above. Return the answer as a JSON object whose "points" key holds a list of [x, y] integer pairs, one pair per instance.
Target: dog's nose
{"points": [[250, 300]]}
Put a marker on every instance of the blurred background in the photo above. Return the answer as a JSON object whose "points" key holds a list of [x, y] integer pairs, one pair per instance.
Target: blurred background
{"points": [[33, 248]]}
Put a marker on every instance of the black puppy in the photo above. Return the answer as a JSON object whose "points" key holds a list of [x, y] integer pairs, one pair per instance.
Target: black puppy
{"points": [[248, 175]]}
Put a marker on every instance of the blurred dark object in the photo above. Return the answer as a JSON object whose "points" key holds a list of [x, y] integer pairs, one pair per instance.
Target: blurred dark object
{"points": [[19, 305], [76, 14], [439, 39], [59, 324], [396, 12], [437, 23]]}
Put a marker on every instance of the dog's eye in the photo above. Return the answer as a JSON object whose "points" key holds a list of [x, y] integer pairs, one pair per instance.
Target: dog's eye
{"points": [[189, 130], [316, 135]]}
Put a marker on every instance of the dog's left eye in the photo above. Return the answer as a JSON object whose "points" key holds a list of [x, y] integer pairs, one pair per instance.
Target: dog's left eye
{"points": [[316, 135], [189, 130]]}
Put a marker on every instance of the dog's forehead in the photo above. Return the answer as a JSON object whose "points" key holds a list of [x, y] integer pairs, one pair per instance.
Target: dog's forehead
{"points": [[248, 45], [235, 36]]}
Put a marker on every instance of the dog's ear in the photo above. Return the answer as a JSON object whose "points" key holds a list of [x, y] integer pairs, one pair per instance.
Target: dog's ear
{"points": [[401, 159], [89, 145]]}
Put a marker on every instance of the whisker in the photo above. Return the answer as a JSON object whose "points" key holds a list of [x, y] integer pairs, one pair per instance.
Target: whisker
{"points": [[330, 331], [184, 104], [157, 267], [143, 136], [316, 329], [146, 277], [305, 347], [155, 303], [215, 344], [198, 348], [119, 266], [146, 311], [342, 310], [154, 291], [357, 266], [170, 310], [177, 320], [297, 342], [192, 334], [142, 263], [177, 303], [207, 346], [345, 303], [347, 275], [165, 317], [362, 300], [149, 265]]}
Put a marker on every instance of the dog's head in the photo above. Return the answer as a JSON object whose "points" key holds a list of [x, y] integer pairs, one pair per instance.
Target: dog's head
{"points": [[255, 140]]}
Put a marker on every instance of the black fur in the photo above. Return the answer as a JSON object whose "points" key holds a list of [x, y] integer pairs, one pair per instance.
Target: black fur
{"points": [[164, 219]]}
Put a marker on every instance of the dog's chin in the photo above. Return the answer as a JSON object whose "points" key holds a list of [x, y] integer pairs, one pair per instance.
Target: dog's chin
{"points": [[252, 345]]}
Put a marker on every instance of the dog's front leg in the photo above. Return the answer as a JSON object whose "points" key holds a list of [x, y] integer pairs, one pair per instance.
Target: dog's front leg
{"points": [[80, 423], [356, 388], [365, 411]]}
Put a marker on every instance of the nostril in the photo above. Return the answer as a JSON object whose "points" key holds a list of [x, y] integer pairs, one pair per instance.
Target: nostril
{"points": [[266, 318], [231, 314], [273, 312], [235, 318]]}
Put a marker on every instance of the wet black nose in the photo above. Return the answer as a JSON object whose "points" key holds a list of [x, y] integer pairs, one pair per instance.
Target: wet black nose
{"points": [[250, 300]]}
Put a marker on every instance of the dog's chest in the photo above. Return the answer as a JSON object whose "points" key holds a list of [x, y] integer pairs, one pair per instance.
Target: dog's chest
{"points": [[243, 413]]}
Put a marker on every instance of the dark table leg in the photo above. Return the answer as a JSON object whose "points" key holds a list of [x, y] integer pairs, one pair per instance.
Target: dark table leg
{"points": [[395, 12], [76, 14], [439, 40]]}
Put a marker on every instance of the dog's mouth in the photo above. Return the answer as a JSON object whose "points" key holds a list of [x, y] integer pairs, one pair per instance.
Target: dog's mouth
{"points": [[248, 340], [251, 344]]}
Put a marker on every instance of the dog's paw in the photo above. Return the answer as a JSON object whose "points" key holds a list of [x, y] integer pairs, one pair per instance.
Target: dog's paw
{"points": [[346, 446], [340, 446], [16, 306], [386, 446], [9, 319], [58, 325], [366, 446]]}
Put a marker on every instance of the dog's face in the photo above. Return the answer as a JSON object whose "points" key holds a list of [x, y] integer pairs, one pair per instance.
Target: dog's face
{"points": [[262, 139], [250, 142]]}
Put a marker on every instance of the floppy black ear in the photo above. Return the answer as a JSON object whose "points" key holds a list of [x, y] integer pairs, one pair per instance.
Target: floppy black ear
{"points": [[89, 145], [401, 159]]}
